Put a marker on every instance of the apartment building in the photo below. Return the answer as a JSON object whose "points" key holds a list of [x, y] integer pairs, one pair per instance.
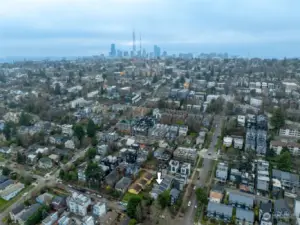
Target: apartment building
{"points": [[188, 155], [78, 203]]}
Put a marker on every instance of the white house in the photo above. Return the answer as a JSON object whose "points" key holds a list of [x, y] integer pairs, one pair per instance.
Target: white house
{"points": [[293, 147], [99, 209], [256, 102], [78, 204], [11, 191], [241, 120], [227, 141], [79, 102], [67, 129], [183, 130], [70, 144], [289, 132], [238, 142]]}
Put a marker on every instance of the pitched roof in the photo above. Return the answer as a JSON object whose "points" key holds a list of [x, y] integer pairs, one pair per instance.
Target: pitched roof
{"points": [[233, 197], [214, 194], [123, 183], [220, 208], [18, 208], [281, 204], [30, 211], [243, 214]]}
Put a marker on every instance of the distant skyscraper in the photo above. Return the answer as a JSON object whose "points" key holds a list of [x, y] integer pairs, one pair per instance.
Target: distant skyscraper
{"points": [[156, 51], [133, 43], [120, 54], [113, 51], [165, 54]]}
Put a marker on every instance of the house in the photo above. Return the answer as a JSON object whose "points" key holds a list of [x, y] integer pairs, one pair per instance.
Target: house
{"points": [[222, 171], [88, 220], [219, 211], [64, 220], [69, 144], [45, 198], [188, 155], [297, 210], [256, 102], [227, 141], [16, 212], [293, 147], [81, 173], [58, 203], [99, 209], [5, 184], [216, 194], [160, 188], [123, 184], [241, 201], [174, 166], [174, 193], [265, 213], [11, 191], [281, 209], [78, 204], [135, 188], [238, 142], [67, 129], [263, 182], [27, 213], [51, 219], [288, 180], [45, 163], [235, 175], [32, 159], [244, 217], [261, 142], [183, 131], [241, 120], [290, 131], [112, 178]]}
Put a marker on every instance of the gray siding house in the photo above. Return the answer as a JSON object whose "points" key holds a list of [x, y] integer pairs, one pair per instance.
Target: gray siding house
{"points": [[244, 217], [241, 201], [219, 211]]}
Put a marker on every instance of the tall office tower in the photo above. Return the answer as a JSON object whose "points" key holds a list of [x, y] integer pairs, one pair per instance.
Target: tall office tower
{"points": [[156, 51], [140, 45], [133, 43], [113, 51]]}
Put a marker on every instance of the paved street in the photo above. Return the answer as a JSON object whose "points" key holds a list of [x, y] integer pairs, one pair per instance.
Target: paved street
{"points": [[208, 157]]}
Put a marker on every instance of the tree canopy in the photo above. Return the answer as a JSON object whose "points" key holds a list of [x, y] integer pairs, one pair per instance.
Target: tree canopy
{"points": [[91, 128], [284, 161], [132, 206], [164, 199], [25, 119], [91, 153], [278, 119], [94, 174], [78, 131], [201, 196]]}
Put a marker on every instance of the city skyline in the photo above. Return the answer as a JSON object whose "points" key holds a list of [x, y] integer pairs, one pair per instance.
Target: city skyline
{"points": [[53, 28]]}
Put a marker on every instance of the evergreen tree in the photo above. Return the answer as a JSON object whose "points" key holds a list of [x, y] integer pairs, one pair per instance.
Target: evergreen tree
{"points": [[91, 128]]}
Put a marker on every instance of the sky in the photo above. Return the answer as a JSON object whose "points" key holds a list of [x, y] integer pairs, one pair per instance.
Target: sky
{"points": [[255, 28]]}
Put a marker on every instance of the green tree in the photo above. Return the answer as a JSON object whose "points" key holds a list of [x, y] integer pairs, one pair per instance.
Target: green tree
{"points": [[78, 131], [284, 161], [201, 196], [94, 174], [57, 90], [6, 171], [164, 199], [278, 119], [91, 153], [132, 222], [91, 128], [132, 205], [62, 174], [73, 175], [7, 131], [270, 153], [20, 158], [25, 119], [94, 141]]}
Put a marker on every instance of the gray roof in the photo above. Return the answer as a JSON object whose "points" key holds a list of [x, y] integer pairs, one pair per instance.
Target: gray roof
{"points": [[220, 208], [285, 176], [6, 184], [124, 182], [281, 205], [241, 199], [18, 209], [174, 193], [266, 206], [243, 214], [30, 211]]}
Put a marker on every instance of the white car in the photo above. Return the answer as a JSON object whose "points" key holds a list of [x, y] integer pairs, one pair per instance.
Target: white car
{"points": [[189, 203], [195, 206], [194, 187]]}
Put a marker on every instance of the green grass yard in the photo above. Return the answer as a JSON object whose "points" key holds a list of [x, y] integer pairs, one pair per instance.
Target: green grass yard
{"points": [[128, 195]]}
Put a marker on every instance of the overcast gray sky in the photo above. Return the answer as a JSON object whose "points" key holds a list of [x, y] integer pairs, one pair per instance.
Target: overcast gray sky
{"points": [[267, 28]]}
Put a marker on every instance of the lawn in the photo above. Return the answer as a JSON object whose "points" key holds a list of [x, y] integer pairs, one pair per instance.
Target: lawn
{"points": [[5, 204], [128, 195], [2, 202]]}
